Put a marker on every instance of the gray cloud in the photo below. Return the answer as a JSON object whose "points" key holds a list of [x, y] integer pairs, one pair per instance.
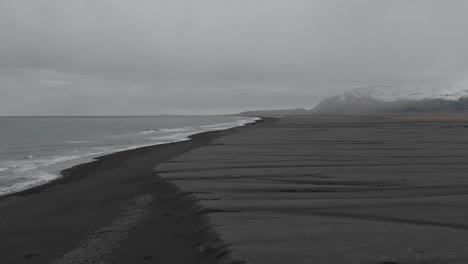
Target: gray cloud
{"points": [[209, 56]]}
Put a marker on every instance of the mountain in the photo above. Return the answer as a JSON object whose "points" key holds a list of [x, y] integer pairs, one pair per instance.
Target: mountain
{"points": [[412, 92], [413, 98], [398, 99]]}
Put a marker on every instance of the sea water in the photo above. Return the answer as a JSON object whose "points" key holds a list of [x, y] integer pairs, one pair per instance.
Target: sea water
{"points": [[33, 150]]}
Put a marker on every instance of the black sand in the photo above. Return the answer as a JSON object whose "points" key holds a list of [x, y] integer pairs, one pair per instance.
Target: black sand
{"points": [[349, 189], [365, 190], [113, 210]]}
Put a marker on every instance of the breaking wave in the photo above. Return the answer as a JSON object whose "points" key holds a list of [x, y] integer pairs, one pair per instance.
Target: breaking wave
{"points": [[36, 169]]}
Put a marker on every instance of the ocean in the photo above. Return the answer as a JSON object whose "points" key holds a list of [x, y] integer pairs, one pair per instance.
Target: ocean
{"points": [[33, 150]]}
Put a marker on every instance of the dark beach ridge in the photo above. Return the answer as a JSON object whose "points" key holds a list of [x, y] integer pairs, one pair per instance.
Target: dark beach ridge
{"points": [[112, 210]]}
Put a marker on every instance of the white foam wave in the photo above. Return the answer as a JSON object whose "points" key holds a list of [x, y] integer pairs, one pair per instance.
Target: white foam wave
{"points": [[173, 137], [165, 130], [149, 131], [38, 179], [36, 171], [21, 167], [228, 125]]}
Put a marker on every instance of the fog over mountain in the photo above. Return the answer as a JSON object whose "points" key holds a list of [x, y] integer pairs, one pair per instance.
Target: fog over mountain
{"points": [[442, 97], [218, 56], [396, 98]]}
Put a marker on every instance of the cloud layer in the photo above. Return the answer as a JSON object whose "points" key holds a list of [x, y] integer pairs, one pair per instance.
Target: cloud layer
{"points": [[218, 56]]}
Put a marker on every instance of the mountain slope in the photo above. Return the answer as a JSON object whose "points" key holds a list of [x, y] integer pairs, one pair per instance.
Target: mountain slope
{"points": [[398, 98]]}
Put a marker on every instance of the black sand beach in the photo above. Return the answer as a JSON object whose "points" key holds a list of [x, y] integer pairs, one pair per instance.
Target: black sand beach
{"points": [[113, 210], [335, 189]]}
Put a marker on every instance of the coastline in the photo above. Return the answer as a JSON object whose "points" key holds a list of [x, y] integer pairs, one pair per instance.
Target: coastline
{"points": [[36, 164], [65, 173], [61, 216]]}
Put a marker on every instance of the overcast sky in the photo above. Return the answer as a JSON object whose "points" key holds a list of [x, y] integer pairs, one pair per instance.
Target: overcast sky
{"points": [[86, 57]]}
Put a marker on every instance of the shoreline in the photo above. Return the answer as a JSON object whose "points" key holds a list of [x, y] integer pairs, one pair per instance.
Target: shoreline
{"points": [[62, 174], [61, 216]]}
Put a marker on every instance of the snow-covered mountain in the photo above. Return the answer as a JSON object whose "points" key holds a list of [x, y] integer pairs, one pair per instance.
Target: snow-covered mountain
{"points": [[399, 98], [452, 97], [390, 93]]}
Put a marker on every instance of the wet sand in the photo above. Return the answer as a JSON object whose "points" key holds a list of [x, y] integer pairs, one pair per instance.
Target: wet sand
{"points": [[335, 189], [113, 210]]}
